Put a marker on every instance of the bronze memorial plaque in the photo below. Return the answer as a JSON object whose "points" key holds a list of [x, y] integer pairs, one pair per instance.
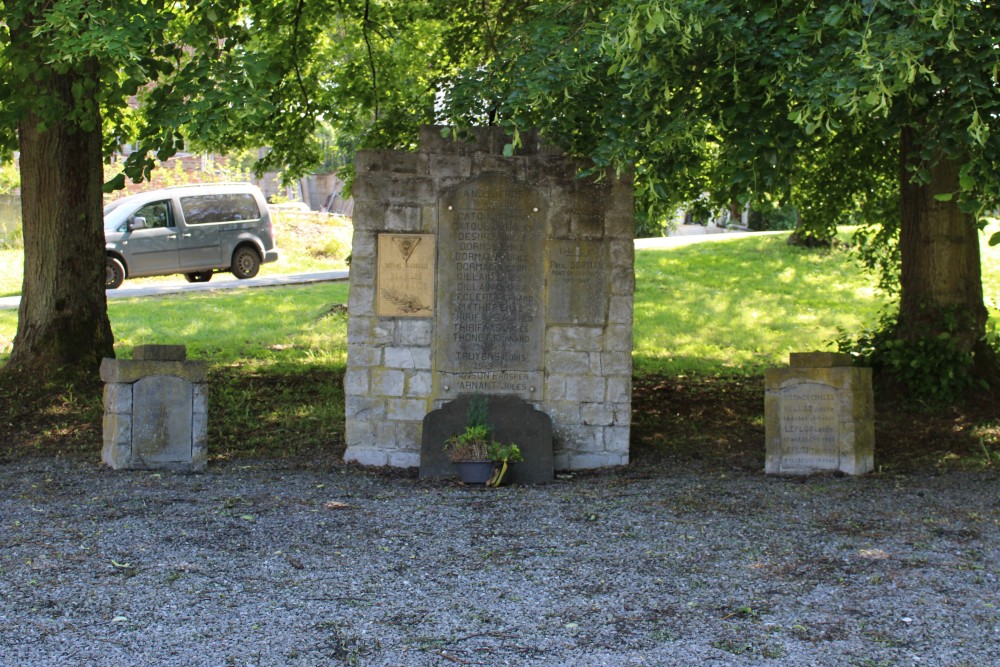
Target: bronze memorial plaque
{"points": [[405, 275], [491, 287]]}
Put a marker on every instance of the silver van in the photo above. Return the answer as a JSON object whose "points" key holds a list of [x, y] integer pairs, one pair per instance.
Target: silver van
{"points": [[191, 229]]}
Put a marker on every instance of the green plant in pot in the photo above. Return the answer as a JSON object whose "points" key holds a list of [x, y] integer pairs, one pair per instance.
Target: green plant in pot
{"points": [[478, 457]]}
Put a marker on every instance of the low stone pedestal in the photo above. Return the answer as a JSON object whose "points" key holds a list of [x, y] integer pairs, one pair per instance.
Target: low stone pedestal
{"points": [[819, 416], [155, 410]]}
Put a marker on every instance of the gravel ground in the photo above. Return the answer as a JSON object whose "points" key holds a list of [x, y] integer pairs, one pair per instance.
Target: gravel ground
{"points": [[273, 563]]}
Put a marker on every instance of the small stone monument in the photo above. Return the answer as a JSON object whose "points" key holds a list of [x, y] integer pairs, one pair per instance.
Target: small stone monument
{"points": [[155, 410], [819, 416]]}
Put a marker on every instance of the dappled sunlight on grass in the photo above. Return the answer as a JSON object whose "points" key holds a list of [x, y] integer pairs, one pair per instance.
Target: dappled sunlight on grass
{"points": [[273, 326], [743, 306]]}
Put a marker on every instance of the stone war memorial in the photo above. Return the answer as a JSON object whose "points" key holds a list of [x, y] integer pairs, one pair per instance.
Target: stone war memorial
{"points": [[476, 273], [819, 416]]}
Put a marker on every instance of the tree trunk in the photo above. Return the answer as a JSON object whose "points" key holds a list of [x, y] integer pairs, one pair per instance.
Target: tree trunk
{"points": [[941, 289], [63, 321]]}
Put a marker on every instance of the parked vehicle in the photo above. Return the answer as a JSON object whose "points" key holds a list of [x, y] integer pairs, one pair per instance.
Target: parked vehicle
{"points": [[196, 230]]}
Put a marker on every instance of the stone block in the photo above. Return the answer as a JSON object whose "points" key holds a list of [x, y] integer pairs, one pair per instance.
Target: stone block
{"points": [[618, 362], [118, 398], [586, 388], [367, 456], [403, 409], [387, 382], [596, 460], [363, 356], [582, 339], [356, 382], [127, 371], [622, 280], [620, 310], [404, 459], [418, 358], [199, 399], [567, 362], [619, 389], [159, 353], [403, 219], [616, 442], [618, 338], [361, 300], [162, 430], [597, 414], [419, 384], [819, 419], [414, 333], [364, 408]]}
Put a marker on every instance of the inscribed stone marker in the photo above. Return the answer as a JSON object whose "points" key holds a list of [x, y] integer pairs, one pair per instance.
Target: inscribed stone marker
{"points": [[578, 284], [490, 310], [809, 427], [163, 434]]}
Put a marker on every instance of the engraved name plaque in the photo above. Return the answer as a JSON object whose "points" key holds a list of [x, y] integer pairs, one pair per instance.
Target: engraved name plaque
{"points": [[810, 427], [578, 286], [490, 286]]}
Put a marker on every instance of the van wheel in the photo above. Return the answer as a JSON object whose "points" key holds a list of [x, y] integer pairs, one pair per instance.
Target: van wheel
{"points": [[246, 263], [198, 276], [114, 273]]}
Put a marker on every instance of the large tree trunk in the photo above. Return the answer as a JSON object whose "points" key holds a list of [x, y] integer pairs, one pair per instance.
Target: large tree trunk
{"points": [[941, 289], [63, 321]]}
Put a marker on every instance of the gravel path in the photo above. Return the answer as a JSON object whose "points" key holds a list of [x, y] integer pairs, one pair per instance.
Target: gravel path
{"points": [[270, 563]]}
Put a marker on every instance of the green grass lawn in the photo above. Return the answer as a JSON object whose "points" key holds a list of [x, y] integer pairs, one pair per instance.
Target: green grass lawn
{"points": [[738, 306], [733, 306]]}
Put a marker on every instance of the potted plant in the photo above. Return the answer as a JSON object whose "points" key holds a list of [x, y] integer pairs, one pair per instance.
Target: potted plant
{"points": [[479, 458]]}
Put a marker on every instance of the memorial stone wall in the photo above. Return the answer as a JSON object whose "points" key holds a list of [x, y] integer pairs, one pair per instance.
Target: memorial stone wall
{"points": [[476, 273]]}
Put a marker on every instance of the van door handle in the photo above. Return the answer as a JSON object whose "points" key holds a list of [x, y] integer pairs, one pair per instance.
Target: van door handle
{"points": [[172, 237], [187, 236]]}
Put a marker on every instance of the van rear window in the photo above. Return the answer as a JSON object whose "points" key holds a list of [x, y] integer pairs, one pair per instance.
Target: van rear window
{"points": [[228, 207]]}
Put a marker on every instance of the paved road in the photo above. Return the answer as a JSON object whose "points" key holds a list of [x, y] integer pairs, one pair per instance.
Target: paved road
{"points": [[687, 234], [218, 282]]}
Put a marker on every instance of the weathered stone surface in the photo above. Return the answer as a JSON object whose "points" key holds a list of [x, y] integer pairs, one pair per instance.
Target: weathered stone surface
{"points": [[155, 420], [818, 359], [533, 292], [512, 420], [577, 282], [131, 370], [159, 353], [162, 431], [819, 419], [490, 311]]}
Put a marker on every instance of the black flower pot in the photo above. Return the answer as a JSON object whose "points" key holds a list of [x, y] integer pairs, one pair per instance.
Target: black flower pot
{"points": [[475, 472]]}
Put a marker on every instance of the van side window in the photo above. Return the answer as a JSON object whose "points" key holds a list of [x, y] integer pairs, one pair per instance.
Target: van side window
{"points": [[230, 207], [157, 214]]}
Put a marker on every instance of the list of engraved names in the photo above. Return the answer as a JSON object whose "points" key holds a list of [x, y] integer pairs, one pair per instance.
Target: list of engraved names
{"points": [[809, 432], [491, 276]]}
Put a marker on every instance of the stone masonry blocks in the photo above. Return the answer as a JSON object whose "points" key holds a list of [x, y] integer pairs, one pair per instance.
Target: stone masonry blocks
{"points": [[580, 371], [155, 410]]}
